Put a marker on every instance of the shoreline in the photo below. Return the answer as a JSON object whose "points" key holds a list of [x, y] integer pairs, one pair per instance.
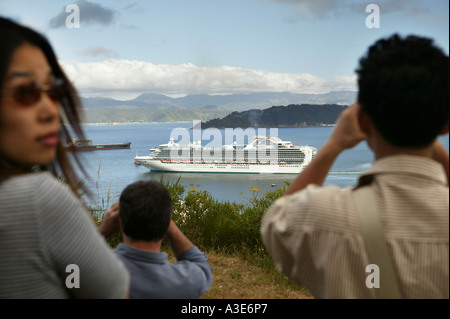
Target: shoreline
{"points": [[186, 122]]}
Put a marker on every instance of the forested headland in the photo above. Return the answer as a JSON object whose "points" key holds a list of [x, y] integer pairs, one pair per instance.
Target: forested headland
{"points": [[293, 115]]}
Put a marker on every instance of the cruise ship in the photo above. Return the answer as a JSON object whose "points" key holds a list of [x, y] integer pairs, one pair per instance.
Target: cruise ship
{"points": [[263, 155]]}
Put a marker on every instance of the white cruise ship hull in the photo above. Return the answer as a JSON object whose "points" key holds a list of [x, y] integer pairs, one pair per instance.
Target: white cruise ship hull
{"points": [[230, 168], [263, 155]]}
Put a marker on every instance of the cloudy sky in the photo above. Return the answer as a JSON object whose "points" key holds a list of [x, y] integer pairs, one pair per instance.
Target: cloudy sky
{"points": [[121, 49]]}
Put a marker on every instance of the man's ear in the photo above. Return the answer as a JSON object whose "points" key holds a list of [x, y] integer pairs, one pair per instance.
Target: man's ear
{"points": [[363, 120]]}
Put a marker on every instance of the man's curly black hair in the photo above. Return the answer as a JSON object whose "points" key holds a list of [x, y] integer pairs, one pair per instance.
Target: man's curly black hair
{"points": [[404, 89]]}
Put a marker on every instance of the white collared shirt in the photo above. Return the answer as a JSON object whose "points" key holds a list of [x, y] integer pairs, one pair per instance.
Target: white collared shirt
{"points": [[314, 235]]}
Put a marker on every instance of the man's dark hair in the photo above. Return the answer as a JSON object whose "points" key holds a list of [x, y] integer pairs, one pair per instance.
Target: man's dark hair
{"points": [[404, 89], [145, 210]]}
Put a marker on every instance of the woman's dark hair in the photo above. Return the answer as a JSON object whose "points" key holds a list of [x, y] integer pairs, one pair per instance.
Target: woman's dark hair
{"points": [[12, 36], [145, 210], [404, 89]]}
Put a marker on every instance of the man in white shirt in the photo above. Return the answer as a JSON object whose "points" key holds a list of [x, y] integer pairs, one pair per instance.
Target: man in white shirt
{"points": [[314, 232]]}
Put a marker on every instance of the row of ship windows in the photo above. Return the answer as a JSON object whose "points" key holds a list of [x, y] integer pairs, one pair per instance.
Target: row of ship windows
{"points": [[280, 156], [235, 164], [167, 153]]}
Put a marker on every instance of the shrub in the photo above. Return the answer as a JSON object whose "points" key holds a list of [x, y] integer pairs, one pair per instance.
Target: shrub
{"points": [[225, 226]]}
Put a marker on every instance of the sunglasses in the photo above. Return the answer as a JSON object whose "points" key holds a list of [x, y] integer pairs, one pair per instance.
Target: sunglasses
{"points": [[31, 93]]}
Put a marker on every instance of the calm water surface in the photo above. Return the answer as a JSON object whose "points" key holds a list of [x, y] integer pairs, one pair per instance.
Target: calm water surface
{"points": [[110, 171]]}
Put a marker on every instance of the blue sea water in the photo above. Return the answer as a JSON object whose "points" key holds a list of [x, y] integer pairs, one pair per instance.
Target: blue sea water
{"points": [[110, 171]]}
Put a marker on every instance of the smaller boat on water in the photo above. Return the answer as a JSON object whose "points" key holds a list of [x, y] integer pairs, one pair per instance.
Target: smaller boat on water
{"points": [[86, 145]]}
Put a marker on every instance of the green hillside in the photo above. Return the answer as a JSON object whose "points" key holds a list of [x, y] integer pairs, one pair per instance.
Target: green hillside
{"points": [[280, 116]]}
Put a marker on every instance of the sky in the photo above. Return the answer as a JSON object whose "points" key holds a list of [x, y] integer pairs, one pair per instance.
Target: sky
{"points": [[121, 49]]}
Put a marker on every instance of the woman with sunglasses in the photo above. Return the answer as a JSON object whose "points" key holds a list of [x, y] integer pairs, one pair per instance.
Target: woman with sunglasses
{"points": [[49, 245]]}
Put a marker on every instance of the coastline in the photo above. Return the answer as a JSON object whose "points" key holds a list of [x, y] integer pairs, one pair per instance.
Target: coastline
{"points": [[186, 122], [124, 123]]}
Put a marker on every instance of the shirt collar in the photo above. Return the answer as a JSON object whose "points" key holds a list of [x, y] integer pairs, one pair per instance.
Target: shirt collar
{"points": [[405, 165], [135, 253]]}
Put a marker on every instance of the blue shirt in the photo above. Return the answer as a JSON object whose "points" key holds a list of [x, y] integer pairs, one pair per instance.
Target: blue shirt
{"points": [[154, 277]]}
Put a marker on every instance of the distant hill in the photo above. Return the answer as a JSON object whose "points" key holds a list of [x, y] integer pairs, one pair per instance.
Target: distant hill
{"points": [[151, 107], [281, 116]]}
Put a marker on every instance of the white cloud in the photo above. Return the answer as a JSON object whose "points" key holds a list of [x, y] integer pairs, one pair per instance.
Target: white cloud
{"points": [[117, 77]]}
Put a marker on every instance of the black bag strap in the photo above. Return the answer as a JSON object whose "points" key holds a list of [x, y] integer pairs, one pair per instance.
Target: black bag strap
{"points": [[375, 242]]}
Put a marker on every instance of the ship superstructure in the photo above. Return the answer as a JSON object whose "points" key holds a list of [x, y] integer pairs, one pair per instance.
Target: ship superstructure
{"points": [[263, 155]]}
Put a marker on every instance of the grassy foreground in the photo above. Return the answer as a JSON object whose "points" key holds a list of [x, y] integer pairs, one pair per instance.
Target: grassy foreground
{"points": [[229, 235], [235, 278]]}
